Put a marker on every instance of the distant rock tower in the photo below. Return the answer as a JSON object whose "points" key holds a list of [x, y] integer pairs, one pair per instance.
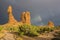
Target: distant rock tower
{"points": [[11, 19], [50, 24], [25, 17]]}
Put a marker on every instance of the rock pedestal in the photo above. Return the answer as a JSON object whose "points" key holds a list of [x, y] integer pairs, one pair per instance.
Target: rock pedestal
{"points": [[50, 24]]}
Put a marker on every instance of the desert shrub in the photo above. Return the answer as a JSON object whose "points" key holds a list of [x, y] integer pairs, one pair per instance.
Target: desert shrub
{"points": [[57, 27], [1, 28], [42, 30], [45, 29], [12, 28], [32, 30], [51, 29], [28, 30]]}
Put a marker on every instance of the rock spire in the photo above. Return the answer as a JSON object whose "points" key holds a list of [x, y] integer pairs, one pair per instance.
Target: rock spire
{"points": [[11, 19]]}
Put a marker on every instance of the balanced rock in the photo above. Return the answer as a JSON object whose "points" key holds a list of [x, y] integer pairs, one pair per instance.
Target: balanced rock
{"points": [[50, 24], [11, 19]]}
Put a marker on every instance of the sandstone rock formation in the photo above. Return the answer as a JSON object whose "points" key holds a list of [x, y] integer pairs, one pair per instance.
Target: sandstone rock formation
{"points": [[11, 19], [25, 17], [50, 24]]}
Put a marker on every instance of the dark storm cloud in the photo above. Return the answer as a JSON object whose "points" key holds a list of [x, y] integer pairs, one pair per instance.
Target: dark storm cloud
{"points": [[43, 10]]}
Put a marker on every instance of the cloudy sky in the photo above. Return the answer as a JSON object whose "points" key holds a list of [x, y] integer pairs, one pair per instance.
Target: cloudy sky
{"points": [[41, 10]]}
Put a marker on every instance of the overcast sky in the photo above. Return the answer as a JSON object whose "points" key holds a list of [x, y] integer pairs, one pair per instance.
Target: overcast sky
{"points": [[41, 10]]}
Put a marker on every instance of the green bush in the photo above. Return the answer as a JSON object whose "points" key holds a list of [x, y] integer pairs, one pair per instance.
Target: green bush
{"points": [[45, 29], [32, 30], [28, 30], [12, 29], [1, 28]]}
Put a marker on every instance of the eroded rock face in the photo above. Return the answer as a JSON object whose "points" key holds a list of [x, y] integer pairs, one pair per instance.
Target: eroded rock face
{"points": [[50, 24], [11, 17], [25, 17]]}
